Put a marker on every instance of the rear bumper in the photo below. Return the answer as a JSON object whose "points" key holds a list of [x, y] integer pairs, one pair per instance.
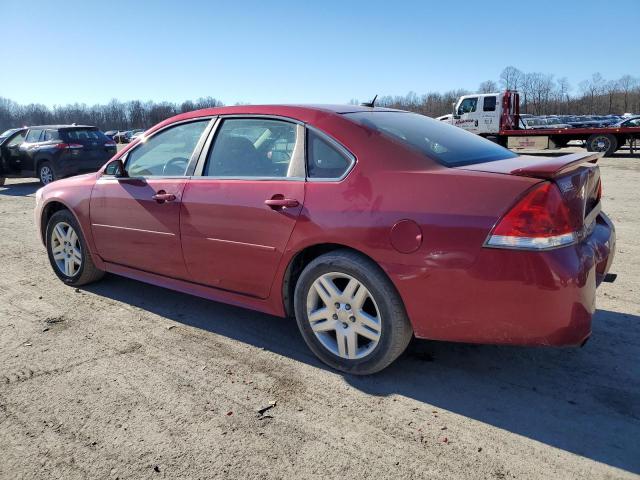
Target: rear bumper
{"points": [[509, 296]]}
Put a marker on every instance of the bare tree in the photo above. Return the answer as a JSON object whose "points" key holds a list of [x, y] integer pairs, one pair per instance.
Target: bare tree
{"points": [[626, 84], [511, 78], [488, 86], [592, 89]]}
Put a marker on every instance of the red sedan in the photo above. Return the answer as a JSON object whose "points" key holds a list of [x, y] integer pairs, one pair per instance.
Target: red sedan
{"points": [[369, 225]]}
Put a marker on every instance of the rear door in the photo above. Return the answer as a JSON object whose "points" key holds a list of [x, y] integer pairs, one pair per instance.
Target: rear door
{"points": [[489, 118], [89, 146], [240, 208]]}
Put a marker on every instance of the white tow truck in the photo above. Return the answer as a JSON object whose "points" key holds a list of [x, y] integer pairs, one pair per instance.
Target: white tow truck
{"points": [[497, 116]]}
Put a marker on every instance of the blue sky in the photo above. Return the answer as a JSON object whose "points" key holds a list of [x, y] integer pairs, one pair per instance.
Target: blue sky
{"points": [[271, 51]]}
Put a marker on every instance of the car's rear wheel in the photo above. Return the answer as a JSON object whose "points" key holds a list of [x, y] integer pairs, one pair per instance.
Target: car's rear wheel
{"points": [[602, 142], [350, 314], [68, 253], [45, 173]]}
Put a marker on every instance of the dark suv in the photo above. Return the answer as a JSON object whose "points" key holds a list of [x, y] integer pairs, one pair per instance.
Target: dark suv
{"points": [[50, 152]]}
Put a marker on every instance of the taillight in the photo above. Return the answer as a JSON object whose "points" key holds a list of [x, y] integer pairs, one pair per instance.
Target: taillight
{"points": [[540, 220], [68, 146]]}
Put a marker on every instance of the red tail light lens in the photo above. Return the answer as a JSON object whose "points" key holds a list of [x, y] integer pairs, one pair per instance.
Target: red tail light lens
{"points": [[68, 146], [540, 220]]}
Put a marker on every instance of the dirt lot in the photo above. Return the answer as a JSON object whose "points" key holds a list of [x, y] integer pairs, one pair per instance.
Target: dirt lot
{"points": [[126, 380]]}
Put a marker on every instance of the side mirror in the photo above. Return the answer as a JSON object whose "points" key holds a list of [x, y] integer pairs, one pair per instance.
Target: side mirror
{"points": [[116, 168]]}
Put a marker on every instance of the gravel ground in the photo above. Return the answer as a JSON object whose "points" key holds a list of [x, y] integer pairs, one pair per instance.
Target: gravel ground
{"points": [[127, 380]]}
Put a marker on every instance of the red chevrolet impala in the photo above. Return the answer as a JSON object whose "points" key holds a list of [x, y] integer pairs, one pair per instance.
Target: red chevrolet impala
{"points": [[369, 225]]}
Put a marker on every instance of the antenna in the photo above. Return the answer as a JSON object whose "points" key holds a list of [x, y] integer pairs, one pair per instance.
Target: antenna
{"points": [[370, 104]]}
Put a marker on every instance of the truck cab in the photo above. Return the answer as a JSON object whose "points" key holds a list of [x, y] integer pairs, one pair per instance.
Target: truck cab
{"points": [[479, 113]]}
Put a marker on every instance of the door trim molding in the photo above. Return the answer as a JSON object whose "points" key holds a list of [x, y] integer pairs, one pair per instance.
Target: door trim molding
{"points": [[244, 244], [132, 229]]}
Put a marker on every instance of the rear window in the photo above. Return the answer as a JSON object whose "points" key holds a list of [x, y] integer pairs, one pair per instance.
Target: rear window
{"points": [[449, 145], [489, 104], [84, 135]]}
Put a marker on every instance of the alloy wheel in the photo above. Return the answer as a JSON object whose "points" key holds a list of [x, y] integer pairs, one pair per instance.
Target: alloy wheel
{"points": [[66, 249], [601, 144], [343, 315], [46, 174]]}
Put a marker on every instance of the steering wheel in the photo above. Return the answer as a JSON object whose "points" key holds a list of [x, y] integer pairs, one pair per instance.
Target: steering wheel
{"points": [[175, 163]]}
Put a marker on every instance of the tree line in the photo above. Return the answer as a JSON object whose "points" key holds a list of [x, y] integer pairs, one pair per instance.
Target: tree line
{"points": [[115, 115], [540, 94]]}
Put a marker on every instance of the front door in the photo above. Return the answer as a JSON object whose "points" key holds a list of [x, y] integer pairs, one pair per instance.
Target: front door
{"points": [[467, 115], [238, 215], [136, 219], [28, 149], [11, 155]]}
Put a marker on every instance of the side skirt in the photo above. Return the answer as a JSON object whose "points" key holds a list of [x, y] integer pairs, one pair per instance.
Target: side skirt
{"points": [[195, 289]]}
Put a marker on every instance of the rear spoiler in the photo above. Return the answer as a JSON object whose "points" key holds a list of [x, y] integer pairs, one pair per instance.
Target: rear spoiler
{"points": [[555, 166], [536, 167]]}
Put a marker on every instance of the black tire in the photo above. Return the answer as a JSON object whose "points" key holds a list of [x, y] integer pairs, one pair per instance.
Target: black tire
{"points": [[87, 272], [44, 169], [395, 331], [2, 181], [602, 142]]}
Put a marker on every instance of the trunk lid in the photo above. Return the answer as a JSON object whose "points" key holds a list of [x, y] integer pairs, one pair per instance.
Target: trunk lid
{"points": [[576, 175]]}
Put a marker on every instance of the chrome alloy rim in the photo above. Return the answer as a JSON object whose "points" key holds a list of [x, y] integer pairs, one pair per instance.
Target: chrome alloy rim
{"points": [[66, 249], [344, 315], [46, 175], [601, 144]]}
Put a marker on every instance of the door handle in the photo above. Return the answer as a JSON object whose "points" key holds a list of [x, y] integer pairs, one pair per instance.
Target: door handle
{"points": [[161, 196], [278, 201]]}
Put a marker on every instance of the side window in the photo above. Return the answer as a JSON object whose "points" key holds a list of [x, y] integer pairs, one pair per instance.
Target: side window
{"points": [[468, 105], [17, 140], [166, 153], [324, 160], [33, 136], [50, 135], [255, 147], [489, 104]]}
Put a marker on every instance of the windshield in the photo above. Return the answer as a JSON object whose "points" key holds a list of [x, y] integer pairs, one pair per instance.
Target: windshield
{"points": [[6, 133], [449, 145]]}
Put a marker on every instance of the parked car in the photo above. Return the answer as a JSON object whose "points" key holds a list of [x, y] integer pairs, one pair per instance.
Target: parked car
{"points": [[50, 152], [553, 122], [369, 225], [629, 122], [122, 136], [134, 136], [111, 133]]}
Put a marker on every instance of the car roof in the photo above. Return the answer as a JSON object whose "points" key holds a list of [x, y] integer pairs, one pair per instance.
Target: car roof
{"points": [[62, 126], [303, 113]]}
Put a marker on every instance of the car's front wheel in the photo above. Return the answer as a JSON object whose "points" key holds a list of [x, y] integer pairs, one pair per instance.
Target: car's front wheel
{"points": [[350, 314], [68, 253]]}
